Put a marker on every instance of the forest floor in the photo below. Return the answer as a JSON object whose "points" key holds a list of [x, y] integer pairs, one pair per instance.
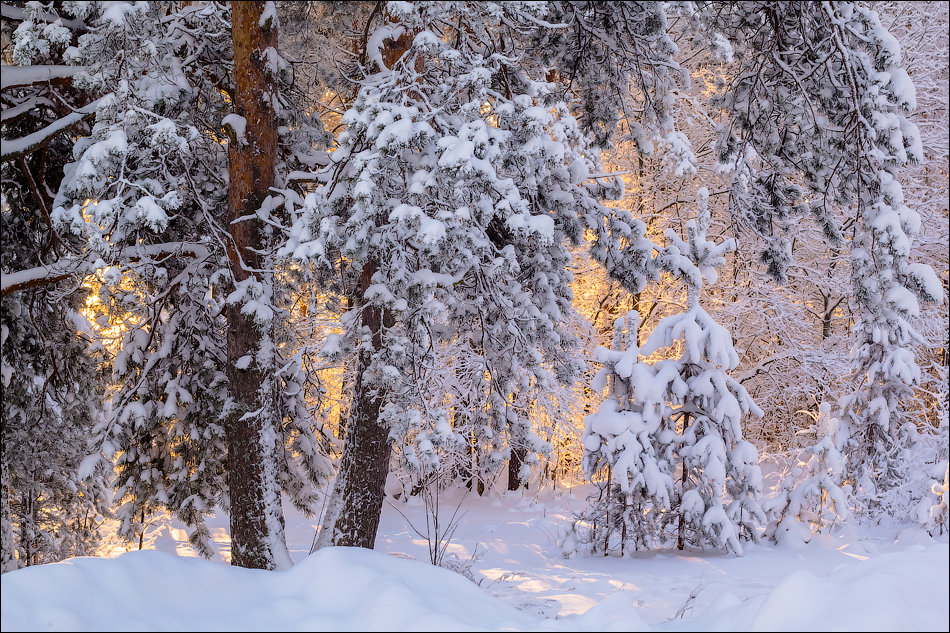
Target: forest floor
{"points": [[882, 577]]}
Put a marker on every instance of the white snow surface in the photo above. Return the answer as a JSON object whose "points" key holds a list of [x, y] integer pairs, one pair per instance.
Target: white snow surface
{"points": [[11, 76], [864, 578], [237, 123]]}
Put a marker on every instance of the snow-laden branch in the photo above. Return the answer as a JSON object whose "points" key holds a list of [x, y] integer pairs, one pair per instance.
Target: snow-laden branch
{"points": [[22, 76], [27, 106], [17, 147], [64, 268], [10, 12]]}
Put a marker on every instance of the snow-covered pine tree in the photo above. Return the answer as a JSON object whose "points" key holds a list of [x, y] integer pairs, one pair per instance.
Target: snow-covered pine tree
{"points": [[717, 501], [458, 185], [53, 393], [253, 426], [819, 95], [888, 286], [129, 191], [53, 384], [811, 499], [632, 438], [146, 202]]}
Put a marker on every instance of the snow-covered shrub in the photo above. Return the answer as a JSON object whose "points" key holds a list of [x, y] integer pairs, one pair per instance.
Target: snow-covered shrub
{"points": [[936, 516], [811, 498], [933, 513], [630, 437]]}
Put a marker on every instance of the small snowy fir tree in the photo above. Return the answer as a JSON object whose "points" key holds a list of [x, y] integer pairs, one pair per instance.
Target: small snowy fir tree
{"points": [[932, 513], [938, 513], [631, 437], [812, 496], [682, 411], [717, 502]]}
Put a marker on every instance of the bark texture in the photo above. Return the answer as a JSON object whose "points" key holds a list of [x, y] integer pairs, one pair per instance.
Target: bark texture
{"points": [[366, 447], [257, 539], [515, 461]]}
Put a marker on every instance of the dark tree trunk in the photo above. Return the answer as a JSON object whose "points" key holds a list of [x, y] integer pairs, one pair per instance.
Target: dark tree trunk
{"points": [[517, 458], [364, 468], [474, 478], [366, 447], [257, 538], [681, 528]]}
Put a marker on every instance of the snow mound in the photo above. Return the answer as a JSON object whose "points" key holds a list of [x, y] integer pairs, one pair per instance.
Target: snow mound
{"points": [[336, 589], [900, 591], [350, 589]]}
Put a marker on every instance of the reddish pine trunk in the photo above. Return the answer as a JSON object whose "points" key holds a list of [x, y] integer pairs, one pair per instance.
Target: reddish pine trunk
{"points": [[256, 524]]}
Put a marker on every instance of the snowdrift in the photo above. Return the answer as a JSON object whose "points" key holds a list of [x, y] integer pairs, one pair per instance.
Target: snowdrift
{"points": [[345, 589], [348, 589]]}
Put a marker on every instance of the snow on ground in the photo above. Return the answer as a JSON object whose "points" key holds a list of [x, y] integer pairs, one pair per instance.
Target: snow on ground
{"points": [[867, 578]]}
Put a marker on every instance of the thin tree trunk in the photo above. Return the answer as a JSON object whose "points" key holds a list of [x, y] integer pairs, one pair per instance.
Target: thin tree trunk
{"points": [[474, 477], [681, 528], [518, 454], [257, 531]]}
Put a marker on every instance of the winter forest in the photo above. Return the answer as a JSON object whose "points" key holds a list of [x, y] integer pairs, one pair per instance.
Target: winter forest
{"points": [[562, 315]]}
